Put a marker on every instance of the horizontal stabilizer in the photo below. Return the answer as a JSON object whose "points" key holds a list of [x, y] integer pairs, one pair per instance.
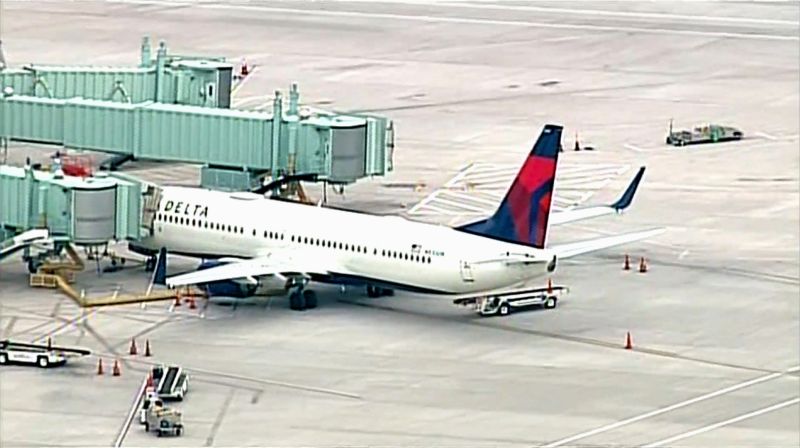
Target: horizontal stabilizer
{"points": [[582, 247]]}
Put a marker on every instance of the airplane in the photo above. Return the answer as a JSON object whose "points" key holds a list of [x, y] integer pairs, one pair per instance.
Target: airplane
{"points": [[253, 236]]}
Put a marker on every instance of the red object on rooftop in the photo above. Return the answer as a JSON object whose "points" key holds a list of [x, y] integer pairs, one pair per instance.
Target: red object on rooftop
{"points": [[76, 165]]}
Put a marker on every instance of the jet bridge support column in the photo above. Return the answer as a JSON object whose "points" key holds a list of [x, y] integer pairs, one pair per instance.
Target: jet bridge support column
{"points": [[277, 119], [161, 60], [147, 57]]}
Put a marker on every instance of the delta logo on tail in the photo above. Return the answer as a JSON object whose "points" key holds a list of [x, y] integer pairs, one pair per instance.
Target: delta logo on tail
{"points": [[523, 215]]}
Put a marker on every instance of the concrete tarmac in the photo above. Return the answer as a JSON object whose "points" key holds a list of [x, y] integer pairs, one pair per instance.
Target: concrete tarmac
{"points": [[714, 322]]}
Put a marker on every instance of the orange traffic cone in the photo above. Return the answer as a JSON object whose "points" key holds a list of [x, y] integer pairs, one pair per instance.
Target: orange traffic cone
{"points": [[100, 366], [133, 350], [628, 342], [192, 304], [245, 70], [627, 265], [149, 380], [577, 144], [178, 299], [549, 285], [147, 348], [115, 371], [642, 266]]}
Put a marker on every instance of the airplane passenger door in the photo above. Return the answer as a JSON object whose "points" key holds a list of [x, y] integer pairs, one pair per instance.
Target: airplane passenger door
{"points": [[466, 272]]}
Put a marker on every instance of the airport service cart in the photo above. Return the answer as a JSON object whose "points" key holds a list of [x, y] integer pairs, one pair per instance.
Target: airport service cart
{"points": [[163, 420], [42, 355], [503, 303]]}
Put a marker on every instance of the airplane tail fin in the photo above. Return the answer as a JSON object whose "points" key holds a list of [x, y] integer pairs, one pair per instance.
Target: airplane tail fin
{"points": [[523, 215]]}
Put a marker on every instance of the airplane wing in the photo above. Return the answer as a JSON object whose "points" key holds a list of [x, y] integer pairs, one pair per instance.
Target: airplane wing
{"points": [[254, 267], [581, 213], [582, 247]]}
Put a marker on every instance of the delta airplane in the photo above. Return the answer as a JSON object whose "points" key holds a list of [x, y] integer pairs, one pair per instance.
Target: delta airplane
{"points": [[253, 236]]}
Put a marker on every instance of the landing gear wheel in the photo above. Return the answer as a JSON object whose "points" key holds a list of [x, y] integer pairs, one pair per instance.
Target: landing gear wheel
{"points": [[373, 292], [296, 301], [3, 359], [42, 362], [310, 298], [33, 266], [150, 264], [551, 302], [146, 427], [504, 310]]}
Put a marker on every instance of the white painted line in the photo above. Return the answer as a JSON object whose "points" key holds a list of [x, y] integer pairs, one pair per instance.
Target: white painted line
{"points": [[455, 204], [464, 171], [239, 102], [683, 254], [664, 410], [731, 421], [467, 197], [765, 135], [593, 12], [131, 413], [243, 81], [632, 148], [465, 20]]}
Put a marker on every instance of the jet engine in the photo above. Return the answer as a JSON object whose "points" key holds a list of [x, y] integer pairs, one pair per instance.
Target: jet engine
{"points": [[239, 289]]}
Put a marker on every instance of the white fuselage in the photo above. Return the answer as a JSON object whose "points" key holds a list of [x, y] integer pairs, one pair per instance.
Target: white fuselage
{"points": [[386, 250]]}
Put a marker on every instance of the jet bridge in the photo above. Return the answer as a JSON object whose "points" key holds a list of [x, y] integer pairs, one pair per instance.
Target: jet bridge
{"points": [[177, 109]]}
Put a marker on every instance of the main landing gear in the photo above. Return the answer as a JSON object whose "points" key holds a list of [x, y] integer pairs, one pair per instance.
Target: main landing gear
{"points": [[300, 298]]}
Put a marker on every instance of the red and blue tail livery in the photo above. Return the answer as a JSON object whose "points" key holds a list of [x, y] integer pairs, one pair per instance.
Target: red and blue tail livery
{"points": [[523, 215]]}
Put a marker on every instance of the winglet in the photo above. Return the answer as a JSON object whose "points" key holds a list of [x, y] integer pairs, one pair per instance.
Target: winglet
{"points": [[627, 197]]}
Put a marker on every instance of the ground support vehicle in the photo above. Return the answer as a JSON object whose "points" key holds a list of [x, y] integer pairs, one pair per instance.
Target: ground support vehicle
{"points": [[710, 133], [503, 303], [171, 382], [162, 419], [42, 355]]}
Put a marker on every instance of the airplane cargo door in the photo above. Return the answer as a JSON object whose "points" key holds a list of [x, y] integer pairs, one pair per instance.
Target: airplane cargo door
{"points": [[466, 272]]}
